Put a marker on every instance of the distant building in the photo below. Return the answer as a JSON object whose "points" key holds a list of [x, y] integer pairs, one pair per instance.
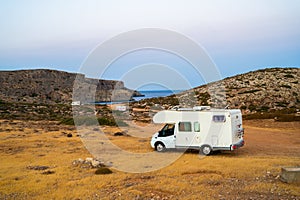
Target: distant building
{"points": [[75, 103]]}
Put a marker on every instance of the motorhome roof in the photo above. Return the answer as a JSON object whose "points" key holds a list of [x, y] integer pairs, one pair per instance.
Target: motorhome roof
{"points": [[173, 116], [205, 108], [195, 108], [210, 110]]}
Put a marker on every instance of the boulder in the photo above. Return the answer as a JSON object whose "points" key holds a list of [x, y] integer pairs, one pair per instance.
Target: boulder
{"points": [[290, 174]]}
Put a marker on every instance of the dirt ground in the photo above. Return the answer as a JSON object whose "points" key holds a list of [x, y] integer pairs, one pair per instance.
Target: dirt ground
{"points": [[269, 138], [37, 162]]}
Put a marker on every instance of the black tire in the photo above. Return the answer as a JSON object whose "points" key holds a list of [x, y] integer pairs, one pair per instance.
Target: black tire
{"points": [[160, 147], [205, 150]]}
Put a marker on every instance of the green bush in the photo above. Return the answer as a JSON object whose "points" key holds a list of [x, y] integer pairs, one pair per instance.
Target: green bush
{"points": [[252, 107], [288, 118], [249, 91], [264, 108], [121, 123], [106, 121], [281, 104], [103, 170], [243, 107], [90, 121], [288, 76], [286, 86], [276, 116]]}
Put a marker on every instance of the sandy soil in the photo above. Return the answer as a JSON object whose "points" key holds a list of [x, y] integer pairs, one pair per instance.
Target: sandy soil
{"points": [[266, 137], [252, 172]]}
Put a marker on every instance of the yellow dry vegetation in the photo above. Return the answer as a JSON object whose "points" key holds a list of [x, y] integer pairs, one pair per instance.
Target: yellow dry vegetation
{"points": [[221, 176]]}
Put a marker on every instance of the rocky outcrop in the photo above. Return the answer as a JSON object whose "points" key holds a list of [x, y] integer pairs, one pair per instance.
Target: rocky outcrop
{"points": [[56, 87]]}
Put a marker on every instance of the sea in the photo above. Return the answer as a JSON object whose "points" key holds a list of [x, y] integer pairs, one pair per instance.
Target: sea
{"points": [[156, 93], [147, 95]]}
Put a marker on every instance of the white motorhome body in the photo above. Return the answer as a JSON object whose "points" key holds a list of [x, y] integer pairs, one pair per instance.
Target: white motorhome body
{"points": [[207, 130]]}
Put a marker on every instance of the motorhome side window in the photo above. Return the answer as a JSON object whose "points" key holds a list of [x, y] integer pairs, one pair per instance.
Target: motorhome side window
{"points": [[185, 126], [196, 126], [219, 118]]}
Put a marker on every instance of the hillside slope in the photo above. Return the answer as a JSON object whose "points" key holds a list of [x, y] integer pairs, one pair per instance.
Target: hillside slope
{"points": [[262, 90], [266, 90]]}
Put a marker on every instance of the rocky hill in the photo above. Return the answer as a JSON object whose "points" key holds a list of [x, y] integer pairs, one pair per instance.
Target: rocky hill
{"points": [[266, 90], [262, 90], [47, 94], [45, 86]]}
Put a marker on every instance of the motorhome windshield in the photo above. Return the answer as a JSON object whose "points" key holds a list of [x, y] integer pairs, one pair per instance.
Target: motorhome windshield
{"points": [[167, 130]]}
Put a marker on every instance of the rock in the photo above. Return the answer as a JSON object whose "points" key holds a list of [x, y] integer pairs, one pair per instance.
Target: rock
{"points": [[37, 167], [88, 163], [88, 159], [129, 184], [290, 174], [48, 172], [77, 162], [95, 163]]}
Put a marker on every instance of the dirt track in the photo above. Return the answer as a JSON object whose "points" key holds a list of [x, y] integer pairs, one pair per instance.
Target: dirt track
{"points": [[266, 137]]}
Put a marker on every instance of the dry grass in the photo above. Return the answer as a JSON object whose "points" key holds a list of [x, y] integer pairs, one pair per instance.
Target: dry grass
{"points": [[222, 176]]}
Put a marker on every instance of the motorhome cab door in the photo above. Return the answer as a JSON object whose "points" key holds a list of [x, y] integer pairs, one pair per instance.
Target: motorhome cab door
{"points": [[186, 134], [167, 136]]}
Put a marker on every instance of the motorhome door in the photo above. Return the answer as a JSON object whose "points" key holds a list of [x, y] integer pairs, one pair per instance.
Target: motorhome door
{"points": [[166, 135]]}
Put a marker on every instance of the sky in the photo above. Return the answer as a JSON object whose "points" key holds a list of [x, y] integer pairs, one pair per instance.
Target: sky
{"points": [[238, 35]]}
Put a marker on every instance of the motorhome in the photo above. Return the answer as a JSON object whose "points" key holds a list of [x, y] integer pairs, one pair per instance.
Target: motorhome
{"points": [[199, 128]]}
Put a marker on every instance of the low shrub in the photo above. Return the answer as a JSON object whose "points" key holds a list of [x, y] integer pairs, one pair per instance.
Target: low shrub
{"points": [[252, 107], [121, 123], [263, 108], [106, 121], [103, 170], [286, 86], [287, 118], [243, 107], [275, 116], [288, 76], [67, 121], [90, 121], [249, 91]]}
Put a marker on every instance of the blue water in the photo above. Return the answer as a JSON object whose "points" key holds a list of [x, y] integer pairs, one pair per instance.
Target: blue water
{"points": [[148, 94], [156, 93]]}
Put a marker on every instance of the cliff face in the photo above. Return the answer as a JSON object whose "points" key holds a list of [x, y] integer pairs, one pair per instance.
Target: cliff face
{"points": [[51, 86]]}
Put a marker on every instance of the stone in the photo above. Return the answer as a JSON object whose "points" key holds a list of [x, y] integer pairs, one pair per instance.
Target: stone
{"points": [[290, 174], [95, 163], [48, 172], [88, 159], [38, 167]]}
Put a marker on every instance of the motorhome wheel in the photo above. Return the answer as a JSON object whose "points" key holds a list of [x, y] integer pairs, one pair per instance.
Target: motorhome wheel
{"points": [[160, 147], [205, 150]]}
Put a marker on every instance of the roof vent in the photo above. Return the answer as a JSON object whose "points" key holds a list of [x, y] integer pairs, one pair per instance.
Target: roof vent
{"points": [[199, 108]]}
